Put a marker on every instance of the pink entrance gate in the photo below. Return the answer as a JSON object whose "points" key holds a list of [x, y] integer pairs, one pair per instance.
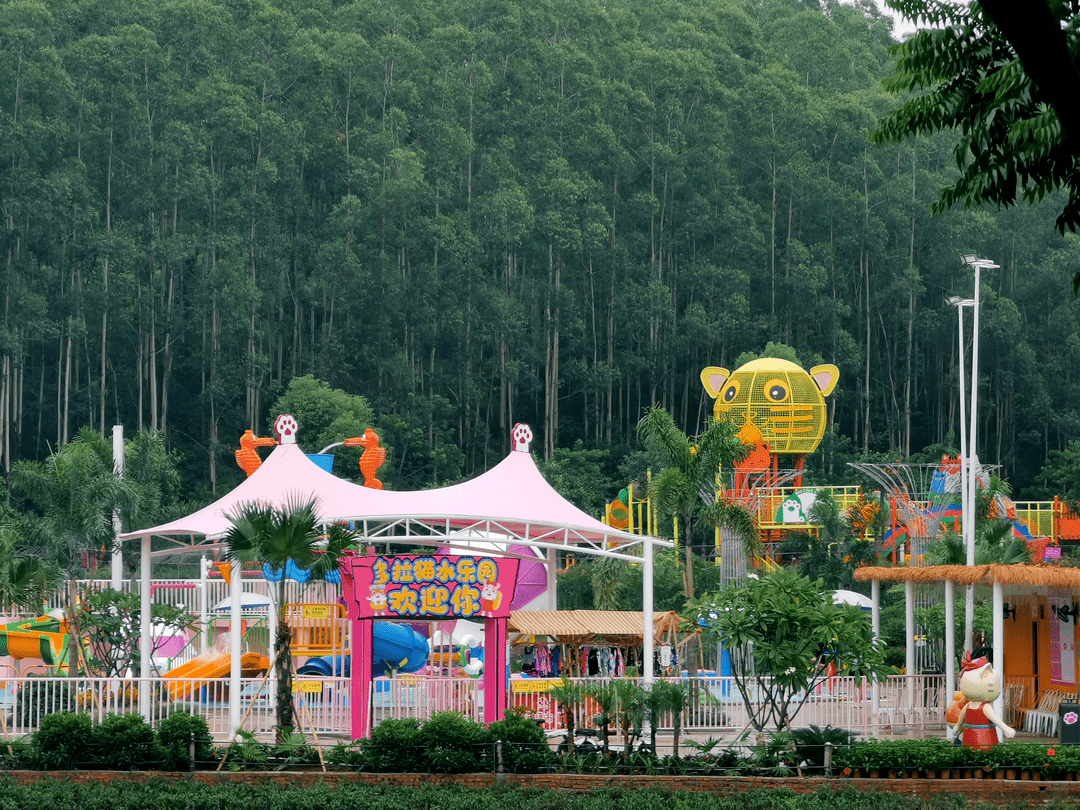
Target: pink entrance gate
{"points": [[437, 587]]}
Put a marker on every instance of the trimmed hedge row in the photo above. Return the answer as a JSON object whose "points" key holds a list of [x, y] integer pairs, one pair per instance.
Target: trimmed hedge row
{"points": [[159, 794]]}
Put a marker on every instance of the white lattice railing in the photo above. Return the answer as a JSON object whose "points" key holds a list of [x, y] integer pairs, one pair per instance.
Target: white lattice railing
{"points": [[916, 701]]}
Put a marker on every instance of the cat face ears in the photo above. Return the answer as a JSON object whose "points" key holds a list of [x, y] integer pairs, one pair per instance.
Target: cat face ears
{"points": [[824, 377], [713, 378]]}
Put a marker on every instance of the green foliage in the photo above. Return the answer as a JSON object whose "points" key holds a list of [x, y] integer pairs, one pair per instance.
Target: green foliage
{"points": [[395, 746], [63, 741], [110, 622], [174, 734], [455, 744], [580, 475], [969, 77], [246, 752], [525, 746], [783, 630], [325, 415], [810, 742], [124, 742]]}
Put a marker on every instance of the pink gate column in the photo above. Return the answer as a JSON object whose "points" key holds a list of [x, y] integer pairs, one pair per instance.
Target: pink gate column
{"points": [[495, 669]]}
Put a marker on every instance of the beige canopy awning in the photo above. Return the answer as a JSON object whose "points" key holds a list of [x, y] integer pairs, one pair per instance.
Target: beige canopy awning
{"points": [[586, 626], [1014, 576]]}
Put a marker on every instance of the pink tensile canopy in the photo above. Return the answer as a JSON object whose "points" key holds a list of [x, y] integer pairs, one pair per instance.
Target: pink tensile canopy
{"points": [[511, 498]]}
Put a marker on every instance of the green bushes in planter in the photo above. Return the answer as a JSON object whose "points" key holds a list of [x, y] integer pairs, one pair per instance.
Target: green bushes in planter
{"points": [[124, 742], [524, 744], [63, 741], [810, 742], [174, 741], [935, 756], [454, 744], [394, 747]]}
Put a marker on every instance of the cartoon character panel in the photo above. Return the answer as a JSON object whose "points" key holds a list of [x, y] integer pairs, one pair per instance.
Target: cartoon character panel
{"points": [[436, 586]]}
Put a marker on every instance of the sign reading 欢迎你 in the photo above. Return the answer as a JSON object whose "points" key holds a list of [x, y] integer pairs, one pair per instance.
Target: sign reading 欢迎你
{"points": [[436, 586]]}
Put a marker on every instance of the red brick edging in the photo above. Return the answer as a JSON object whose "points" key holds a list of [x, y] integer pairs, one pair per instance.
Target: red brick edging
{"points": [[996, 791]]}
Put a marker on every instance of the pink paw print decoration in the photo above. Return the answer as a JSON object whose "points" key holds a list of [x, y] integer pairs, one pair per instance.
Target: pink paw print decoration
{"points": [[522, 435], [285, 427]]}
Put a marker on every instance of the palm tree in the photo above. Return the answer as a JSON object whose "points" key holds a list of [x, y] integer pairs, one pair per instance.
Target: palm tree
{"points": [[73, 495], [26, 579], [569, 696], [686, 487], [686, 483], [672, 698], [835, 550], [274, 535]]}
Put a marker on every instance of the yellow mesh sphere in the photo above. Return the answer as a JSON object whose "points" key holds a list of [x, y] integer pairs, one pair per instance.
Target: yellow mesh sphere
{"points": [[784, 402]]}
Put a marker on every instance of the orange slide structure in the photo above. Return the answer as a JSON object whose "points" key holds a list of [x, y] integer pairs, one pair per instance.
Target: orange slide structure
{"points": [[45, 638], [186, 677]]}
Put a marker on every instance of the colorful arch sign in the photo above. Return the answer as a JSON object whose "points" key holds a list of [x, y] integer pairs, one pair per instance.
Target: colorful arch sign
{"points": [[436, 587], [432, 587]]}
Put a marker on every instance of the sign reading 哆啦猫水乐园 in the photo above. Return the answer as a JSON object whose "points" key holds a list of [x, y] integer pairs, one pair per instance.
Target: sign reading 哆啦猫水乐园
{"points": [[436, 586]]}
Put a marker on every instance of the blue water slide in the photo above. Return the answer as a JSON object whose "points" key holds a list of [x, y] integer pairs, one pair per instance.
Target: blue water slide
{"points": [[393, 647]]}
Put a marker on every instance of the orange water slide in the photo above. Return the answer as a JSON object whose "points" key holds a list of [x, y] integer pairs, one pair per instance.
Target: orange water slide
{"points": [[36, 639], [188, 677]]}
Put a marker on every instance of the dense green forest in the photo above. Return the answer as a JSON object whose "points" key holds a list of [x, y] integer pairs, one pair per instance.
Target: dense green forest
{"points": [[474, 214]]}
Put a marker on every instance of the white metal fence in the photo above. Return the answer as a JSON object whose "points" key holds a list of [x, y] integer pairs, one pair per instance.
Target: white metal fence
{"points": [[916, 701]]}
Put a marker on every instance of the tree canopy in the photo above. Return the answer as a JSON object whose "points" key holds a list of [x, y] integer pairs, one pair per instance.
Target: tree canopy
{"points": [[471, 215], [1003, 78]]}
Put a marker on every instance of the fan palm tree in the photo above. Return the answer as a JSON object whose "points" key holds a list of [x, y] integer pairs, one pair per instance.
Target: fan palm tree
{"points": [[274, 535], [26, 580], [685, 485], [569, 696]]}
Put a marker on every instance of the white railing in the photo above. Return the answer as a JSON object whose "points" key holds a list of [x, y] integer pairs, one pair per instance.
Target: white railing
{"points": [[323, 703], [186, 593], [915, 701]]}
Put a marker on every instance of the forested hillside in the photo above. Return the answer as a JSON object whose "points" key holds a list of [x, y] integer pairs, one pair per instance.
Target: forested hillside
{"points": [[478, 213]]}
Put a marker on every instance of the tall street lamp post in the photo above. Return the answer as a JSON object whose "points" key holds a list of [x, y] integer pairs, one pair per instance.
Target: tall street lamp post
{"points": [[971, 462], [965, 517]]}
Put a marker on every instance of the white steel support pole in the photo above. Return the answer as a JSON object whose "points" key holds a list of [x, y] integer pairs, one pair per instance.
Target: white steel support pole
{"points": [[552, 579], [146, 642], [909, 631], [204, 607], [967, 521], [999, 649], [950, 647], [117, 561], [647, 602], [236, 585], [875, 625], [973, 456]]}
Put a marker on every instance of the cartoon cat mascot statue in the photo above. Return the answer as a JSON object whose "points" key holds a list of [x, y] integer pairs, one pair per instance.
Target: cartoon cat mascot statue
{"points": [[978, 721]]}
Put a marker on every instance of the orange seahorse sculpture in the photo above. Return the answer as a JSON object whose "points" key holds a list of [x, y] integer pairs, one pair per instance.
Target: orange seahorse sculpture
{"points": [[372, 459], [247, 457]]}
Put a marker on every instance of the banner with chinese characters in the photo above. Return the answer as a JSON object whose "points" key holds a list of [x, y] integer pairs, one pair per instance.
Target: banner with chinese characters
{"points": [[437, 586]]}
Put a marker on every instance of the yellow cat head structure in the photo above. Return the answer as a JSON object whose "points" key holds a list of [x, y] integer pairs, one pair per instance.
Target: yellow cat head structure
{"points": [[773, 400]]}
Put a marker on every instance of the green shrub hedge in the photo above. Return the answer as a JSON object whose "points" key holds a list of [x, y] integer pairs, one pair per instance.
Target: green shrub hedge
{"points": [[159, 794]]}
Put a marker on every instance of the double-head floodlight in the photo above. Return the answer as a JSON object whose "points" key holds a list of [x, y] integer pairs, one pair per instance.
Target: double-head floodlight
{"points": [[974, 261]]}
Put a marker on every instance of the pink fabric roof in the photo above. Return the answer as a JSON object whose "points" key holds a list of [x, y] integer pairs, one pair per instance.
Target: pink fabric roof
{"points": [[286, 475], [513, 495]]}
